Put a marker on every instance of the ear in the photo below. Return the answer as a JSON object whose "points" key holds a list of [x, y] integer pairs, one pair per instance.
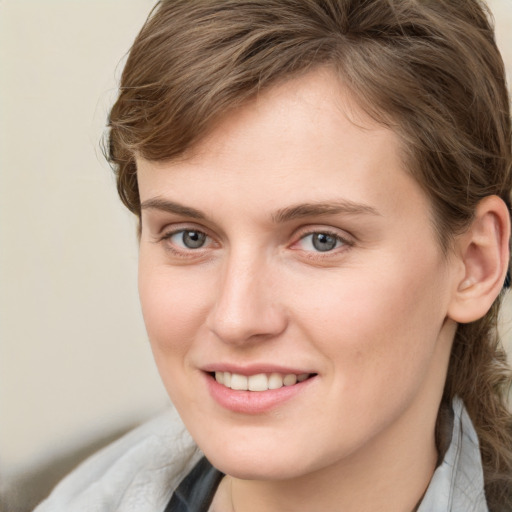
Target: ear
{"points": [[483, 251]]}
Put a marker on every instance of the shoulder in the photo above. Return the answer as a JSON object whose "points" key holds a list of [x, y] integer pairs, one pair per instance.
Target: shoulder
{"points": [[138, 472]]}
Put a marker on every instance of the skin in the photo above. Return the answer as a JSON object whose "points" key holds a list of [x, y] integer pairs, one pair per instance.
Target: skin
{"points": [[371, 317]]}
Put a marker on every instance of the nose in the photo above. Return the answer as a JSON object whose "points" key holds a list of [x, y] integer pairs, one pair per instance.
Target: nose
{"points": [[246, 308]]}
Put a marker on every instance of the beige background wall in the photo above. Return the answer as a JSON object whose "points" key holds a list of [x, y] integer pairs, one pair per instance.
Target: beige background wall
{"points": [[74, 361]]}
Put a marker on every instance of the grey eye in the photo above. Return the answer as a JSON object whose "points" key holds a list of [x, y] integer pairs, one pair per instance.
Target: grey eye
{"points": [[324, 242], [320, 242], [189, 239]]}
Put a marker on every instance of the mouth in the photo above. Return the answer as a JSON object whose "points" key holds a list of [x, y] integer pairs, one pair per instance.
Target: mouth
{"points": [[257, 392], [259, 382]]}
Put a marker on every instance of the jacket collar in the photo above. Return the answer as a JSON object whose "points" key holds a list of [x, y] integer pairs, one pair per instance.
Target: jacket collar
{"points": [[458, 483]]}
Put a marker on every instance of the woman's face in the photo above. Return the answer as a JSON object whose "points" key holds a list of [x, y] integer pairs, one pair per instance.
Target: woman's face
{"points": [[292, 244]]}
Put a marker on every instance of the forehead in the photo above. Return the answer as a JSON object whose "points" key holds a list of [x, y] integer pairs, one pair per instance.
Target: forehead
{"points": [[300, 141], [315, 107]]}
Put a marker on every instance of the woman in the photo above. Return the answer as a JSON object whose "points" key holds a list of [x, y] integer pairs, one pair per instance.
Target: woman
{"points": [[323, 193]]}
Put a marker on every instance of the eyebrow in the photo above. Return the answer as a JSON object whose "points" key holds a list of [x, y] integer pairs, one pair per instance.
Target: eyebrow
{"points": [[324, 208], [157, 203], [282, 215]]}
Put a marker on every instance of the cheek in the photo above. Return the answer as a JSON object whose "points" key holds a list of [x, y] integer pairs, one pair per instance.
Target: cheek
{"points": [[172, 306], [173, 310], [378, 328]]}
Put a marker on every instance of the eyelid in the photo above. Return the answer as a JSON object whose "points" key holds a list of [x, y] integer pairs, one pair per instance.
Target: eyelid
{"points": [[166, 234], [171, 228]]}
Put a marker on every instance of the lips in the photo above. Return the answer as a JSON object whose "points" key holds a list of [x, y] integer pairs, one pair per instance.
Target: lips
{"points": [[256, 390]]}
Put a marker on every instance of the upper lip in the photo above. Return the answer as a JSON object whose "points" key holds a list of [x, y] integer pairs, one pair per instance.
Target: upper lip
{"points": [[253, 369]]}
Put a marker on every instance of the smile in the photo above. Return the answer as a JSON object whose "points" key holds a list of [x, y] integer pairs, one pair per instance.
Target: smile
{"points": [[257, 392], [260, 381]]}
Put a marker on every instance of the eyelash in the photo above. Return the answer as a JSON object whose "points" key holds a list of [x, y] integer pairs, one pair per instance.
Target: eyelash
{"points": [[343, 242]]}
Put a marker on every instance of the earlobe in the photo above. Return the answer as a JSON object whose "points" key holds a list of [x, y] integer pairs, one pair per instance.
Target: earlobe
{"points": [[483, 251]]}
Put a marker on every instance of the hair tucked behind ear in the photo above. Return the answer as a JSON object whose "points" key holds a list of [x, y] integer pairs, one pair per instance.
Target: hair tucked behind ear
{"points": [[428, 69]]}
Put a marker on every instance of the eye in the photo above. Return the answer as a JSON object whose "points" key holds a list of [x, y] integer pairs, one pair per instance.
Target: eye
{"points": [[321, 242], [188, 239]]}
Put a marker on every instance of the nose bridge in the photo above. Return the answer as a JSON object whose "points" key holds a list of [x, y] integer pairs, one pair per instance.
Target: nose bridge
{"points": [[246, 305]]}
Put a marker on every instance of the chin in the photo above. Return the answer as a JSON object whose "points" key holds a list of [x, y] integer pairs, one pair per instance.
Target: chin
{"points": [[253, 454], [251, 466]]}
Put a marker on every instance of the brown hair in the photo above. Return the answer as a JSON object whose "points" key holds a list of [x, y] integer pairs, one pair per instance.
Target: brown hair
{"points": [[429, 69]]}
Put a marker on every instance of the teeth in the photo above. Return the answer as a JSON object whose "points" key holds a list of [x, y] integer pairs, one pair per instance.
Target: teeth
{"points": [[259, 382], [238, 382], [275, 381], [290, 380]]}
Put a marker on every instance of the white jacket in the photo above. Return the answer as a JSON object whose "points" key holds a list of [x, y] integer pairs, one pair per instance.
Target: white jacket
{"points": [[139, 472]]}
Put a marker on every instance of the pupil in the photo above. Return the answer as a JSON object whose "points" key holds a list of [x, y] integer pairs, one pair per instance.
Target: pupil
{"points": [[323, 242], [193, 239]]}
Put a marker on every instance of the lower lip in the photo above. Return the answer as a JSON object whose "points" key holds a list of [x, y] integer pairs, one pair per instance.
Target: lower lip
{"points": [[254, 402]]}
